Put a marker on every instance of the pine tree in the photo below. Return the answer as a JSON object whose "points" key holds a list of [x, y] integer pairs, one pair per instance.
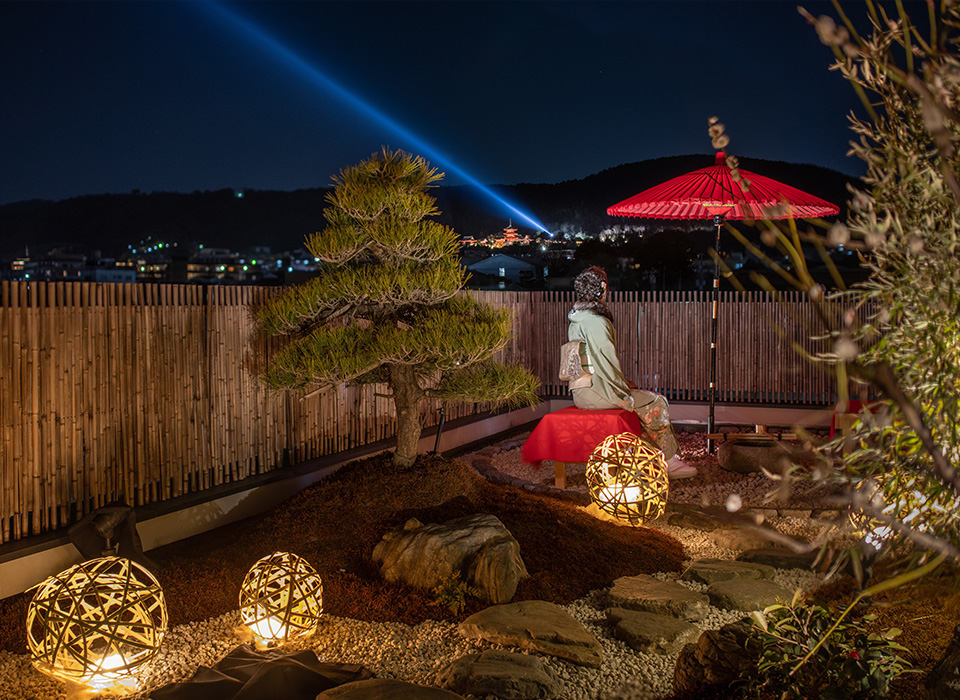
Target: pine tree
{"points": [[387, 309]]}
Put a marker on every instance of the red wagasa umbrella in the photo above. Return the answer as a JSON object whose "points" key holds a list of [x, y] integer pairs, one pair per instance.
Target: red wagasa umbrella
{"points": [[713, 193]]}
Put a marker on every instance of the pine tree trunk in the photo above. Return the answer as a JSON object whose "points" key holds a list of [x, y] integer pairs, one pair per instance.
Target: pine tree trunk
{"points": [[406, 396]]}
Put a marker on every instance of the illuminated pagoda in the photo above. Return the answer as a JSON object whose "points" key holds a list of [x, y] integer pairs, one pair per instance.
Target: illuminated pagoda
{"points": [[510, 236]]}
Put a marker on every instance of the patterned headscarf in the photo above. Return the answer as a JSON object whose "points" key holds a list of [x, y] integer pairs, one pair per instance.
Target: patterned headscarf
{"points": [[590, 286]]}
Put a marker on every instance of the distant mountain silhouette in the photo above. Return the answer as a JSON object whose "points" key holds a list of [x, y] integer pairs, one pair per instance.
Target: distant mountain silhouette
{"points": [[281, 220]]}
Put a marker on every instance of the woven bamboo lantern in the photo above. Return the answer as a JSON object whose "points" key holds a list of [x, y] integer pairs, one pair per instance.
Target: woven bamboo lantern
{"points": [[97, 623], [627, 478], [281, 598]]}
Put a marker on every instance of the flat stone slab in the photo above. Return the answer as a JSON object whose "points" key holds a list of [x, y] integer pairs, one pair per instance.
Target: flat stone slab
{"points": [[778, 557], [747, 595], [652, 595], [703, 518], [739, 540], [502, 674], [652, 633], [386, 689], [535, 625], [709, 571]]}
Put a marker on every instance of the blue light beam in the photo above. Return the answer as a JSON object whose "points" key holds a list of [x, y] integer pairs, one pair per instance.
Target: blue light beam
{"points": [[288, 57]]}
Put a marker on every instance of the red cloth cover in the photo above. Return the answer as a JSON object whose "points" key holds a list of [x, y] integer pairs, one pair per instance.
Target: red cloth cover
{"points": [[572, 434], [853, 406]]}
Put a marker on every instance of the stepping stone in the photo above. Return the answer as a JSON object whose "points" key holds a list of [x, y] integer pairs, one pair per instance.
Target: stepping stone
{"points": [[651, 633], [482, 463], [655, 596], [512, 445], [535, 625], [386, 689], [747, 595], [502, 674], [706, 519], [778, 557], [709, 571], [801, 513], [739, 540]]}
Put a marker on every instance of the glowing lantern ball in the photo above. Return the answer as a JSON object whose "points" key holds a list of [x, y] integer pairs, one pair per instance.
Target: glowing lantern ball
{"points": [[627, 478], [96, 623], [281, 598]]}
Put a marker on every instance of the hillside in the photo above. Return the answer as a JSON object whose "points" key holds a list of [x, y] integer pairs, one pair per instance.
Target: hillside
{"points": [[281, 220]]}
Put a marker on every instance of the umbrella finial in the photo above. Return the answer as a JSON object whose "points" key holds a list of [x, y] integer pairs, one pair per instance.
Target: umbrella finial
{"points": [[721, 158]]}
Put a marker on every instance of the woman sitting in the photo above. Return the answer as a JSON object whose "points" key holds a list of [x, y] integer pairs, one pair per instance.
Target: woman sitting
{"points": [[591, 321]]}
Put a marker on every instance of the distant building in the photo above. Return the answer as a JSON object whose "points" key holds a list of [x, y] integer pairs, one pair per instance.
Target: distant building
{"points": [[61, 267], [221, 265], [55, 267], [509, 237], [115, 275], [507, 269]]}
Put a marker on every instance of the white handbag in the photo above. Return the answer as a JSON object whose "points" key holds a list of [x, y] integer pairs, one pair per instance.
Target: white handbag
{"points": [[575, 366]]}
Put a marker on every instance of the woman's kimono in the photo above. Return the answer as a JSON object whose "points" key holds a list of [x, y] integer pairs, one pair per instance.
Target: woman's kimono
{"points": [[609, 388]]}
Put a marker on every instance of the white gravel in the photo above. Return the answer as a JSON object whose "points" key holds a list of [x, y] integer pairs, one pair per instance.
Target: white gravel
{"points": [[417, 654]]}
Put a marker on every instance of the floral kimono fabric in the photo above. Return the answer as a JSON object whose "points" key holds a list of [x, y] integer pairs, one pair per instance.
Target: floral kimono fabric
{"points": [[655, 416]]}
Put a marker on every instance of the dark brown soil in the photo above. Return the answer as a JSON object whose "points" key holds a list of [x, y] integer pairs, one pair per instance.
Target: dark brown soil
{"points": [[927, 612], [336, 523]]}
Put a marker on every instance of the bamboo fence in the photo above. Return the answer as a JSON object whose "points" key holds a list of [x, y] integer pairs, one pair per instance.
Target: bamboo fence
{"points": [[144, 393]]}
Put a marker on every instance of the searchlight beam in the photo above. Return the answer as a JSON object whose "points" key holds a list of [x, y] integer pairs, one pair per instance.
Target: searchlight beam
{"points": [[286, 56]]}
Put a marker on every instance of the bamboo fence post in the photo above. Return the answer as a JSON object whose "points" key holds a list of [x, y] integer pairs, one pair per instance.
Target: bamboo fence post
{"points": [[19, 463], [9, 419], [32, 403]]}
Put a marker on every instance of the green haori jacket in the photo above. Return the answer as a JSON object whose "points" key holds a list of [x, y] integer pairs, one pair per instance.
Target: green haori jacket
{"points": [[609, 388]]}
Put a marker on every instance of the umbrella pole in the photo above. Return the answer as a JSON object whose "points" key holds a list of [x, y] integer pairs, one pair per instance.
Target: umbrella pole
{"points": [[718, 221]]}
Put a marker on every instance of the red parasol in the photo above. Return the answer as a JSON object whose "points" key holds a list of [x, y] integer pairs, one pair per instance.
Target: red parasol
{"points": [[704, 193], [713, 193]]}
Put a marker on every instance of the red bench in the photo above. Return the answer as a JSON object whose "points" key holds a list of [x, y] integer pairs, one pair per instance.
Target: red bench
{"points": [[572, 434]]}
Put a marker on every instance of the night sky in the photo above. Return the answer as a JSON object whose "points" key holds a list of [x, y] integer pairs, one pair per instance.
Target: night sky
{"points": [[108, 97]]}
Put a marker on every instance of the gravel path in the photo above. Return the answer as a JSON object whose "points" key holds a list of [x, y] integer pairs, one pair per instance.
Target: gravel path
{"points": [[417, 654]]}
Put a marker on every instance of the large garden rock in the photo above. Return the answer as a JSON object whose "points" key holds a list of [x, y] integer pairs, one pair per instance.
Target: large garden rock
{"points": [[386, 689], [651, 633], [538, 626], [502, 674], [751, 455], [943, 681], [709, 571], [649, 594], [478, 547], [747, 594], [717, 659]]}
